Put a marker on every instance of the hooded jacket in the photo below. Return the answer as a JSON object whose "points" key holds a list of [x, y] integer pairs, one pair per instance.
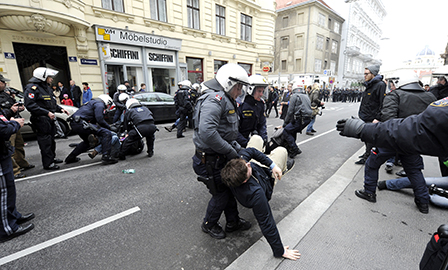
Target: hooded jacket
{"points": [[372, 99]]}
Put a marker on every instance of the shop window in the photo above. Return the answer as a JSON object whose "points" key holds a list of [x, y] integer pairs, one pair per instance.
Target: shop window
{"points": [[247, 68], [116, 5], [158, 10], [220, 20], [195, 71], [246, 27], [217, 64], [193, 13]]}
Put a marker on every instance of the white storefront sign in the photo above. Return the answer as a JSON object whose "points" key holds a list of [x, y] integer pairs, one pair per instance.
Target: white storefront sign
{"points": [[161, 58], [124, 54], [114, 35]]}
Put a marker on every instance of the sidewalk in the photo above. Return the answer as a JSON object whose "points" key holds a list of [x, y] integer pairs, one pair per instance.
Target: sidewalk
{"points": [[334, 229]]}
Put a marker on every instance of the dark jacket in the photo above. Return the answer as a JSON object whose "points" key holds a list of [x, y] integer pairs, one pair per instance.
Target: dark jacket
{"points": [[137, 114], [256, 193], [182, 101], [403, 103], [372, 99], [6, 102], [252, 118], [299, 106], [93, 112], [439, 91], [76, 93], [425, 133], [64, 91], [39, 98], [273, 96], [7, 128], [120, 105]]}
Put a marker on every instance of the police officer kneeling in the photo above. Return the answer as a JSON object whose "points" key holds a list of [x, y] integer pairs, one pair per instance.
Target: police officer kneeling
{"points": [[89, 119], [41, 103], [139, 123]]}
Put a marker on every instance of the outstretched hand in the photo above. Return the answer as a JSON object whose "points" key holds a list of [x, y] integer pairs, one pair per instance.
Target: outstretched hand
{"points": [[291, 254], [277, 172]]}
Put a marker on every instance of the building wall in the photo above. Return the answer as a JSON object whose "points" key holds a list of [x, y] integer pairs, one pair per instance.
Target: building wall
{"points": [[301, 50], [77, 18]]}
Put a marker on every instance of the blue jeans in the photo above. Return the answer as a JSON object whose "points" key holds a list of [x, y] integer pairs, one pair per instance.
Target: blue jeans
{"points": [[310, 125], [115, 143], [441, 182], [412, 164]]}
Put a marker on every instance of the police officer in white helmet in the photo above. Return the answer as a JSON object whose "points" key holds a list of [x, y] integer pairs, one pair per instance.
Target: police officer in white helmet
{"points": [[41, 103], [215, 134]]}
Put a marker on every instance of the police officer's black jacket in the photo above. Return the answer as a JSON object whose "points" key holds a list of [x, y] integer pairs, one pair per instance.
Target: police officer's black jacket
{"points": [[401, 103], [425, 133], [7, 128], [440, 91], [137, 114], [93, 112], [182, 100], [256, 193], [372, 99], [120, 105], [6, 102], [39, 98], [251, 118]]}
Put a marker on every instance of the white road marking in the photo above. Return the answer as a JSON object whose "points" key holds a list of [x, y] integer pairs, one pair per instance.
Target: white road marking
{"points": [[58, 171], [316, 136], [66, 236]]}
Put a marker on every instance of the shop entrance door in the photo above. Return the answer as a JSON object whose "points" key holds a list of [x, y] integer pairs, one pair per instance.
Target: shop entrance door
{"points": [[161, 80], [31, 56], [114, 78]]}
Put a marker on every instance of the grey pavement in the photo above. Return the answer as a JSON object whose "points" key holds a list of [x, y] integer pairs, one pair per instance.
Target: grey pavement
{"points": [[334, 229]]}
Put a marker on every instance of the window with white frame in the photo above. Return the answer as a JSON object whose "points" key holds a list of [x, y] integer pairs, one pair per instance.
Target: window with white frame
{"points": [[193, 13], [317, 65], [246, 27], [334, 47], [337, 27], [321, 20], [220, 20], [158, 10], [319, 43], [115, 5], [333, 67]]}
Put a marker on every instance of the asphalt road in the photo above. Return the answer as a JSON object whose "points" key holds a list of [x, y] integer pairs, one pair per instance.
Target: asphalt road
{"points": [[90, 216]]}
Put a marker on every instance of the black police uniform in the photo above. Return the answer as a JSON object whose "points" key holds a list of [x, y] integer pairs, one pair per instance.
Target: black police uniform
{"points": [[89, 119], [252, 118], [139, 123], [8, 211], [39, 100], [184, 108]]}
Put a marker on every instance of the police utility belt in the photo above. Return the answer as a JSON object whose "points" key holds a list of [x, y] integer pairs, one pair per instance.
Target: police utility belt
{"points": [[211, 161], [86, 125], [215, 159]]}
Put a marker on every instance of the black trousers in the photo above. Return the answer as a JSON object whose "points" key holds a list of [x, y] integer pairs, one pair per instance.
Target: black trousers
{"points": [[8, 211], [103, 134], [147, 130], [45, 130]]}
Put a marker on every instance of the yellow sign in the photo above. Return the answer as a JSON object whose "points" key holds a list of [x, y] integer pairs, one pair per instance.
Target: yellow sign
{"points": [[101, 32]]}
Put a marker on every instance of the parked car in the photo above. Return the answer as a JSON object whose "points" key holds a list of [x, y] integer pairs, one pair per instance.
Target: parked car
{"points": [[161, 105], [61, 117]]}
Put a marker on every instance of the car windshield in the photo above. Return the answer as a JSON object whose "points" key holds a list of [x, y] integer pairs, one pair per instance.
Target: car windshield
{"points": [[147, 97], [165, 97]]}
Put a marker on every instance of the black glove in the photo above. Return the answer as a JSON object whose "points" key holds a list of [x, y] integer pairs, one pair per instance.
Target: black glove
{"points": [[350, 127], [236, 146]]}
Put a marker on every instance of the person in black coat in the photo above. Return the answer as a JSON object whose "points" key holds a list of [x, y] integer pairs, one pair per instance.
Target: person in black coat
{"points": [[139, 123], [252, 185], [63, 91], [371, 102], [76, 94], [272, 102]]}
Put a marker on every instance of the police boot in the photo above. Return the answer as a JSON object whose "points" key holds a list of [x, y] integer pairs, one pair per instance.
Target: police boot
{"points": [[214, 231], [71, 159], [241, 224], [107, 159]]}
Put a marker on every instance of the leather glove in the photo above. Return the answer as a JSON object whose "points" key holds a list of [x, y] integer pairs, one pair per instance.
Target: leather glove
{"points": [[350, 127], [236, 146]]}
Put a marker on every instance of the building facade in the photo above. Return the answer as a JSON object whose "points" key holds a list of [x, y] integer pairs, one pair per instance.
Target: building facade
{"points": [[361, 35], [157, 42], [307, 42]]}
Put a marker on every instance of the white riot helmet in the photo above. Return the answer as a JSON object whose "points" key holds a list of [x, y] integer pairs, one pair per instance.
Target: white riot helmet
{"points": [[106, 99], [256, 81], [196, 86], [404, 79], [123, 97], [186, 83], [230, 75], [42, 73], [130, 102], [122, 87]]}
